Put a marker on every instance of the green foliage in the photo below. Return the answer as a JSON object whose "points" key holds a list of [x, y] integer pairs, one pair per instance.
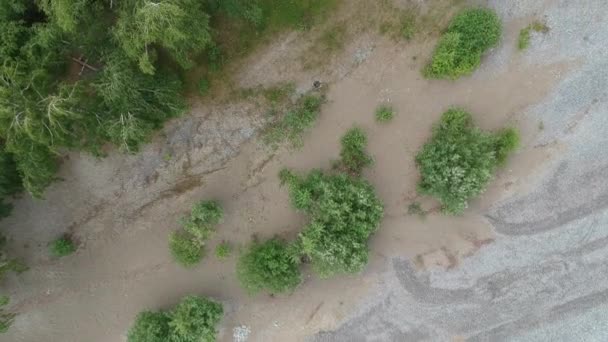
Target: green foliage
{"points": [[301, 14], [353, 157], [185, 249], [203, 86], [344, 212], [6, 318], [10, 181], [135, 103], [63, 246], [179, 27], [223, 250], [295, 122], [524, 35], [470, 34], [194, 319], [268, 266], [150, 326], [458, 161], [384, 113], [187, 246]]}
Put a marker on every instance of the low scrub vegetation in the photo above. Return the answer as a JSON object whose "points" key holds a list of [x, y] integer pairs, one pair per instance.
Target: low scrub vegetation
{"points": [[63, 246], [223, 250], [291, 126], [268, 266], [344, 211], [525, 33], [353, 156], [187, 245], [470, 34], [6, 318], [194, 319], [385, 113], [459, 159]]}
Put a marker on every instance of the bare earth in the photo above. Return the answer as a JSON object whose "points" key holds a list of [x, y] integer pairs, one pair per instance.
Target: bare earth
{"points": [[527, 261]]}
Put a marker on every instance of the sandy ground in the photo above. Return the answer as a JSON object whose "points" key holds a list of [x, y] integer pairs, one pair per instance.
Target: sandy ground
{"points": [[526, 261]]}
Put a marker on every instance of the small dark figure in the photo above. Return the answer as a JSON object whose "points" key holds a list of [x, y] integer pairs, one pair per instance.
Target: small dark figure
{"points": [[316, 84]]}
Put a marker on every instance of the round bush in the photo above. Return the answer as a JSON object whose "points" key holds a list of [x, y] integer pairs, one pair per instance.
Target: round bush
{"points": [[471, 33], [268, 266], [150, 326], [344, 212], [185, 249], [194, 320], [63, 246], [458, 161]]}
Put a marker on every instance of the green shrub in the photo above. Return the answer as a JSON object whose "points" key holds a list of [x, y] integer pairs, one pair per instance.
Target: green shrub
{"points": [[353, 157], [268, 266], [344, 212], [194, 319], [223, 250], [150, 326], [458, 161], [63, 246], [524, 35], [295, 122], [187, 246], [203, 86], [185, 249], [470, 34], [385, 113], [6, 318]]}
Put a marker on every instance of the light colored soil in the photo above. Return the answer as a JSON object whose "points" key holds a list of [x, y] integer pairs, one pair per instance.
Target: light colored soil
{"points": [[122, 208]]}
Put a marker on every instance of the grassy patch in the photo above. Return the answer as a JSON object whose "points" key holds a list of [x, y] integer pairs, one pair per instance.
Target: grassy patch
{"points": [[458, 161], [470, 34], [292, 125], [223, 250], [525, 34], [185, 250], [385, 113], [326, 45], [415, 208], [63, 246]]}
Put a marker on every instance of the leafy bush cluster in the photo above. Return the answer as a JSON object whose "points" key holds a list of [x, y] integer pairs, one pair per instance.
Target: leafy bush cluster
{"points": [[187, 245], [268, 266], [458, 161], [295, 122], [63, 246], [353, 157], [471, 33], [194, 319], [6, 318], [344, 212]]}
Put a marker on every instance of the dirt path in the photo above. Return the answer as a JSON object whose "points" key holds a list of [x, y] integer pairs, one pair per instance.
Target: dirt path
{"points": [[122, 208]]}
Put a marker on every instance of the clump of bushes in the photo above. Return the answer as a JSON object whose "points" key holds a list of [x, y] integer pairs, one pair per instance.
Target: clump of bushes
{"points": [[63, 246], [194, 319], [524, 35], [268, 266], [187, 245], [385, 113], [344, 212], [470, 34], [459, 159], [353, 157], [295, 122]]}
